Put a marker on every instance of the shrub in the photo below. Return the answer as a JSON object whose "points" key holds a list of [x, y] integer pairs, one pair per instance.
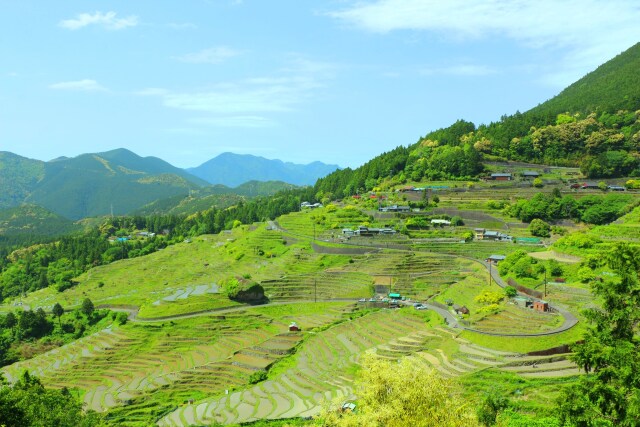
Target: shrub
{"points": [[257, 376], [510, 291], [489, 297]]}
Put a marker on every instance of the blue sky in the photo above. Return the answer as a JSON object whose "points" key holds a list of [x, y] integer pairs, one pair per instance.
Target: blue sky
{"points": [[337, 81]]}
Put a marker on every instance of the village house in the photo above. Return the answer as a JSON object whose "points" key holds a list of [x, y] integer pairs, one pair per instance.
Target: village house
{"points": [[530, 175], [482, 234], [501, 176], [394, 208], [495, 259]]}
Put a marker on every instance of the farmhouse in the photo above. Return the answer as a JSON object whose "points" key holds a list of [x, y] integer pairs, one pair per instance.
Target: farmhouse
{"points": [[590, 186], [308, 205], [482, 234], [501, 176], [394, 208], [494, 259], [530, 175], [440, 222], [366, 231]]}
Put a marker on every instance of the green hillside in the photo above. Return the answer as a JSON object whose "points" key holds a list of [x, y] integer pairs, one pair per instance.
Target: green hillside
{"points": [[117, 181], [18, 177], [593, 124], [29, 223], [613, 86]]}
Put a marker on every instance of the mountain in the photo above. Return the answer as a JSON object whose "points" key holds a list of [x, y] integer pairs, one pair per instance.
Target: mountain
{"points": [[29, 222], [117, 181], [593, 123], [234, 169], [613, 86], [219, 196], [18, 176]]}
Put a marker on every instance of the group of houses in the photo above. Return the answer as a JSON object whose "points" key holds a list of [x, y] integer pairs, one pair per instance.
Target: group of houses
{"points": [[483, 234], [307, 205], [527, 175], [395, 208], [367, 231]]}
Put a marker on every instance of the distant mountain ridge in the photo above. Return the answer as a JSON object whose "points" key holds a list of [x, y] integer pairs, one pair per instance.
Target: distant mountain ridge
{"points": [[235, 169], [117, 181]]}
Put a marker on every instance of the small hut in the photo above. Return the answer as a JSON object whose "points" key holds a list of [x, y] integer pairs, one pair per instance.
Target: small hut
{"points": [[293, 327]]}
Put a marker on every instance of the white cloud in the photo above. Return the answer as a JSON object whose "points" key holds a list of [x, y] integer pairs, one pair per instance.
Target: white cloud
{"points": [[85, 85], [213, 55], [589, 32], [251, 102], [107, 20]]}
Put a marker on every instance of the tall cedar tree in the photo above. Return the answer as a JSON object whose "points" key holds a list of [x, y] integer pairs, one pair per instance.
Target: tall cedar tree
{"points": [[609, 393]]}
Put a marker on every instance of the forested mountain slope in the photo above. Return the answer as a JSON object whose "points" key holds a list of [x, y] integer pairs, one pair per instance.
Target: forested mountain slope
{"points": [[594, 124]]}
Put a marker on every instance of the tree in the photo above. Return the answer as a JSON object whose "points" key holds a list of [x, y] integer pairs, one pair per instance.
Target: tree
{"points": [[609, 393], [538, 183], [491, 405], [398, 394], [87, 307], [57, 311], [539, 228]]}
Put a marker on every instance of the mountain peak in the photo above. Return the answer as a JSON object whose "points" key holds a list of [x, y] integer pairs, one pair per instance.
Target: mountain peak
{"points": [[234, 169]]}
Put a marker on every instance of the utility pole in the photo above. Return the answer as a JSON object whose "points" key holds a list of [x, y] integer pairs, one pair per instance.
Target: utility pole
{"points": [[314, 230], [315, 289], [545, 282], [490, 272]]}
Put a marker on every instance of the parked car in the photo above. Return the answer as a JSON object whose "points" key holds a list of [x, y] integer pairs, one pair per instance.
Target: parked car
{"points": [[420, 306]]}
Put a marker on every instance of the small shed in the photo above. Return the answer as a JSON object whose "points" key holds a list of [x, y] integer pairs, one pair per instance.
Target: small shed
{"points": [[530, 174], [460, 309], [293, 327], [541, 306], [348, 406]]}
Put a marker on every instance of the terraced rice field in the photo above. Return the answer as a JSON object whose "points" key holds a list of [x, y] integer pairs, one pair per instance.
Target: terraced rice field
{"points": [[518, 320], [326, 285], [323, 369], [325, 363]]}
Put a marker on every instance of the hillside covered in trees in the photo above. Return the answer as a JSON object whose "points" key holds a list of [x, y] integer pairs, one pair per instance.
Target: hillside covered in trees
{"points": [[594, 124]]}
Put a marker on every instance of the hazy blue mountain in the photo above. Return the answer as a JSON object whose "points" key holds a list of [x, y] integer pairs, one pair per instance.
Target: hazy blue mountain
{"points": [[234, 169]]}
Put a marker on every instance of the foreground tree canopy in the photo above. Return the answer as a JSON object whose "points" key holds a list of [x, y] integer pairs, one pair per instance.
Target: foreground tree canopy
{"points": [[399, 394]]}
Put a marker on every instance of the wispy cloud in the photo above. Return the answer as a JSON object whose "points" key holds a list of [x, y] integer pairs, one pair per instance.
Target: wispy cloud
{"points": [[214, 55], [588, 32], [85, 85], [250, 102], [108, 20]]}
